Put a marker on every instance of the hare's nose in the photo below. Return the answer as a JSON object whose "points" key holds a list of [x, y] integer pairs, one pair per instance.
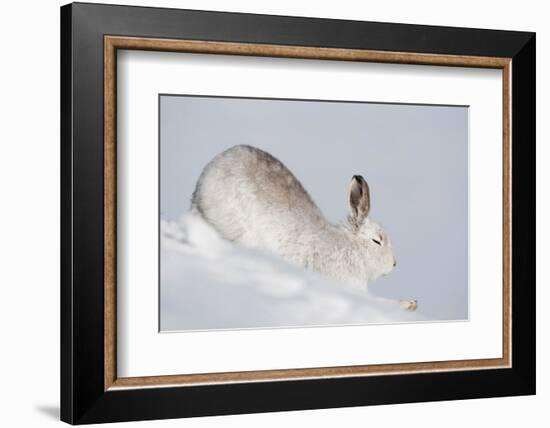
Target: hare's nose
{"points": [[394, 262]]}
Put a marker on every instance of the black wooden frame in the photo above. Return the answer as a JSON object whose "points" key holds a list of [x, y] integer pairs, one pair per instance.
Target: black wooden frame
{"points": [[83, 399]]}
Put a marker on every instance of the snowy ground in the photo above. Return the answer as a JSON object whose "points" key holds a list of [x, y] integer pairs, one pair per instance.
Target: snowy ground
{"points": [[209, 283]]}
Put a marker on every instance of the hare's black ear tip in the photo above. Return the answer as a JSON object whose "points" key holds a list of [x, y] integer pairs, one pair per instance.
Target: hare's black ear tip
{"points": [[357, 178]]}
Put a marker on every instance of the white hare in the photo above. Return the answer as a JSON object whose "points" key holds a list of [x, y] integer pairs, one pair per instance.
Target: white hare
{"points": [[251, 198]]}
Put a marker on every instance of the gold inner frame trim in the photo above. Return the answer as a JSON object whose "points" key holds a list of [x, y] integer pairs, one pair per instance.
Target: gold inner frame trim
{"points": [[113, 43]]}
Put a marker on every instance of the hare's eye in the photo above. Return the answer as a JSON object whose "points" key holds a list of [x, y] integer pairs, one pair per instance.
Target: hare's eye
{"points": [[376, 241]]}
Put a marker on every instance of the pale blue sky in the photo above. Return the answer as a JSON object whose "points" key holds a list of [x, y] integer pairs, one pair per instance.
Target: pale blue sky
{"points": [[414, 157]]}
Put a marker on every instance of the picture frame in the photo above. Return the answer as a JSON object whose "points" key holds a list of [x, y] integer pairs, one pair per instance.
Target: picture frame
{"points": [[91, 390]]}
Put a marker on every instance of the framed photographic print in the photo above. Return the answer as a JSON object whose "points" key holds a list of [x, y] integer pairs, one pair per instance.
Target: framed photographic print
{"points": [[264, 213]]}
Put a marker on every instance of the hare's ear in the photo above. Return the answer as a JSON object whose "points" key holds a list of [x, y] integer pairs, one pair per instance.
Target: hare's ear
{"points": [[359, 199]]}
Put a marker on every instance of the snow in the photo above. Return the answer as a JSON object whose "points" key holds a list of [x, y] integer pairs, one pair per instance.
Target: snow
{"points": [[210, 283]]}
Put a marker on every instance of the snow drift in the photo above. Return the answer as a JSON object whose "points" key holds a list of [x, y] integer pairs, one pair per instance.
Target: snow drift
{"points": [[210, 283]]}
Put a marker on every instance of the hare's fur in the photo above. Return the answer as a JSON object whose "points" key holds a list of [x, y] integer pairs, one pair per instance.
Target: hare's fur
{"points": [[251, 198]]}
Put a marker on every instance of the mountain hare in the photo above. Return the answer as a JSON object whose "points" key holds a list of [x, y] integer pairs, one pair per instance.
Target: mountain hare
{"points": [[251, 198]]}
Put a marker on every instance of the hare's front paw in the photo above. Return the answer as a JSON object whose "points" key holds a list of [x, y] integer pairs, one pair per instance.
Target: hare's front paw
{"points": [[408, 305]]}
